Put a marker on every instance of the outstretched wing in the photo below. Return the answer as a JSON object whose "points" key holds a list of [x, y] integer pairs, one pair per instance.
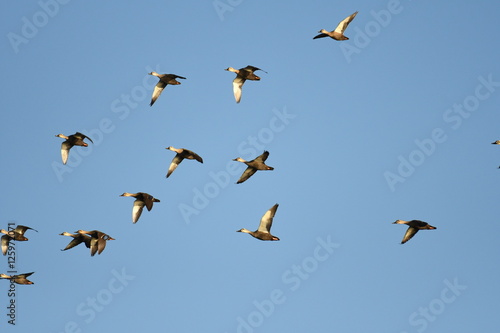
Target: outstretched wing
{"points": [[246, 174], [173, 165], [5, 243], [320, 36], [82, 136], [252, 69], [267, 220], [137, 210], [65, 147], [237, 84], [74, 242], [409, 234], [263, 157], [157, 91], [22, 229], [101, 245], [344, 23], [194, 155]]}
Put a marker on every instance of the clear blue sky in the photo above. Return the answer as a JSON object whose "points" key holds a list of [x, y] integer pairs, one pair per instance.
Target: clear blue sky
{"points": [[395, 123]]}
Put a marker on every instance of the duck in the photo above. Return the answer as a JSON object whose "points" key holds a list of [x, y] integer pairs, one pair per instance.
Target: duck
{"points": [[242, 75], [253, 165], [141, 199], [72, 140], [19, 278], [413, 227], [15, 234], [264, 230], [165, 79], [98, 240], [338, 33], [497, 142], [181, 154], [77, 240]]}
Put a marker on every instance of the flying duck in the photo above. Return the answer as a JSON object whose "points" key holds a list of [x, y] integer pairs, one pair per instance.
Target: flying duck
{"points": [[242, 75], [77, 240], [141, 199], [413, 227], [264, 231], [72, 140], [253, 166], [15, 234], [98, 240], [181, 154], [338, 33], [165, 79], [19, 278]]}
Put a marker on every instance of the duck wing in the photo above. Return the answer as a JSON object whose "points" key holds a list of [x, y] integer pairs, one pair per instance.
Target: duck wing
{"points": [[173, 165], [344, 23], [252, 69], [93, 246], [157, 91], [137, 210], [101, 245], [21, 229], [193, 155], [82, 136], [267, 220], [65, 147], [320, 36], [5, 243], [170, 78], [237, 85], [246, 174], [262, 158], [148, 200], [409, 234], [74, 242]]}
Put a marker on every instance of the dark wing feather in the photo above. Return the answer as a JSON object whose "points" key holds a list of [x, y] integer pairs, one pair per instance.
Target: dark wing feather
{"points": [[246, 174]]}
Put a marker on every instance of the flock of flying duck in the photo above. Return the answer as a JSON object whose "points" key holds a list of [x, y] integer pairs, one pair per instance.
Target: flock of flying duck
{"points": [[95, 240]]}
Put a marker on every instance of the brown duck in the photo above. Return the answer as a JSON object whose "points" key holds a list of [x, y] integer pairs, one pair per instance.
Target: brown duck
{"points": [[264, 231], [98, 240], [141, 199], [72, 140], [253, 166], [338, 33], [181, 154], [15, 234], [77, 240], [19, 278], [165, 79], [413, 227], [242, 75]]}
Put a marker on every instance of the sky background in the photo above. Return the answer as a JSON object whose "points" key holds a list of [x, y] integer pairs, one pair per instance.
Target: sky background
{"points": [[395, 123]]}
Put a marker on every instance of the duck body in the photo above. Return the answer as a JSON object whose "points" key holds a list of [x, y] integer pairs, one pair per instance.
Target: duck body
{"points": [[19, 278], [243, 74], [338, 33], [264, 230], [413, 227], [70, 141], [77, 240], [165, 79], [98, 240], [142, 200], [253, 166], [181, 154], [16, 234]]}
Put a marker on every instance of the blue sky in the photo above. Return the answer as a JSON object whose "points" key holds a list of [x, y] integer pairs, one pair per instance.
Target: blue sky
{"points": [[395, 123]]}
